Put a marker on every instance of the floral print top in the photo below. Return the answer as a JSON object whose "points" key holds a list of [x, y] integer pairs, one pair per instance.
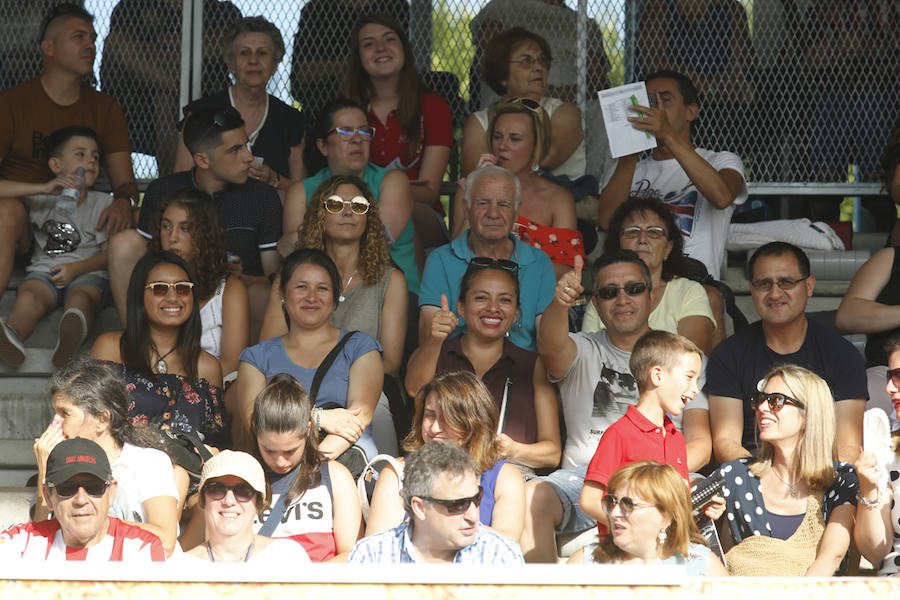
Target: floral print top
{"points": [[171, 401]]}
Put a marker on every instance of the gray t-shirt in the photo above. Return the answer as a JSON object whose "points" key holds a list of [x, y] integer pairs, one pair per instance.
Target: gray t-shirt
{"points": [[600, 372], [596, 391], [84, 218]]}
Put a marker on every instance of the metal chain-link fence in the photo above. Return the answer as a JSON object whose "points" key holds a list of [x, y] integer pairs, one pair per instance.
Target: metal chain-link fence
{"points": [[801, 89]]}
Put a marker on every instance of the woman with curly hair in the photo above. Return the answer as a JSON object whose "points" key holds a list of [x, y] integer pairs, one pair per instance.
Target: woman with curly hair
{"points": [[342, 219], [457, 408], [188, 224]]}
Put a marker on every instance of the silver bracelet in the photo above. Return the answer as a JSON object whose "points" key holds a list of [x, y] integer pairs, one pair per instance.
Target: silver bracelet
{"points": [[867, 502]]}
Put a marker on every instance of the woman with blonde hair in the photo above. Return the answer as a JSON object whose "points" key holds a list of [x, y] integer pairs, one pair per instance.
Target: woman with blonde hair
{"points": [[518, 137], [457, 408], [649, 510], [794, 504]]}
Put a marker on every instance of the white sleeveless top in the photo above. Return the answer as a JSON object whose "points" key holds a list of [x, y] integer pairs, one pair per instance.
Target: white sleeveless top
{"points": [[575, 165], [211, 322]]}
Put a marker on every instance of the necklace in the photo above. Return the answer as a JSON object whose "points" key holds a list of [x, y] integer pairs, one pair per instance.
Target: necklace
{"points": [[341, 298], [161, 367], [792, 485], [213, 558]]}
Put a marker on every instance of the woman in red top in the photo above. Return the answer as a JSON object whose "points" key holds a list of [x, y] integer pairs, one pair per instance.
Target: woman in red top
{"points": [[413, 130]]}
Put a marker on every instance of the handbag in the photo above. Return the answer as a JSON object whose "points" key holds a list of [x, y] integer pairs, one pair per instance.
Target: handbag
{"points": [[354, 457]]}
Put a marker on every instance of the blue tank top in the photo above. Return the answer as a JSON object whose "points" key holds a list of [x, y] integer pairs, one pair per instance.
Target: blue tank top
{"points": [[488, 483]]}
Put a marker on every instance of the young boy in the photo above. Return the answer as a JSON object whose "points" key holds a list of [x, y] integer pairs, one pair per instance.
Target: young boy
{"points": [[666, 367], [69, 261]]}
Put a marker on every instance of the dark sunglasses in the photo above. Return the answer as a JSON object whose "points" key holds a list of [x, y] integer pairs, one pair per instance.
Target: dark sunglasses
{"points": [[94, 489], [366, 132], [481, 262], [161, 288], [527, 103], [776, 401], [221, 120], [632, 288], [335, 205], [216, 490], [894, 376], [457, 506], [626, 505]]}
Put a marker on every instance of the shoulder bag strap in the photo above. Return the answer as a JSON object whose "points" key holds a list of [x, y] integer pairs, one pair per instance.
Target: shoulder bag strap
{"points": [[322, 370], [368, 473]]}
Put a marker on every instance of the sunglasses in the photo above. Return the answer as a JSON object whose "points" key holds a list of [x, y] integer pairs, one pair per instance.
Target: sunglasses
{"points": [[216, 490], [784, 283], [482, 262], [634, 232], [457, 506], [776, 401], [527, 103], [894, 376], [626, 505], [221, 120], [335, 205], [94, 489], [366, 132], [632, 288], [161, 288]]}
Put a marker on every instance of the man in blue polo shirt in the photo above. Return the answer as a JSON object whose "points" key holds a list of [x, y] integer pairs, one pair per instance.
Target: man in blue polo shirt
{"points": [[492, 197]]}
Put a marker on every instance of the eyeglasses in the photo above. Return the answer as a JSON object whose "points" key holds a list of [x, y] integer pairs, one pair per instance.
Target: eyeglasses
{"points": [[528, 61], [335, 205], [634, 232], [626, 505], [457, 506], [482, 262], [783, 283], [366, 132], [161, 288], [776, 401], [94, 489], [632, 288], [216, 490], [894, 376]]}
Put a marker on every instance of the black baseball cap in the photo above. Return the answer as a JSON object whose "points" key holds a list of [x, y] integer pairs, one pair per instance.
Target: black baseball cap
{"points": [[75, 456]]}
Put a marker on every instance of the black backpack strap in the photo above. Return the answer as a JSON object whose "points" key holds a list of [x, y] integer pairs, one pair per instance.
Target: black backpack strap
{"points": [[323, 367]]}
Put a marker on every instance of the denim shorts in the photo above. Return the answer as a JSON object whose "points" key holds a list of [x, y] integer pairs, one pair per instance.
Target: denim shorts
{"points": [[101, 283], [567, 484]]}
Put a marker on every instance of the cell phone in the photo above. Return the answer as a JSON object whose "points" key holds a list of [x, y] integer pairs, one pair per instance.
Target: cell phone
{"points": [[651, 96]]}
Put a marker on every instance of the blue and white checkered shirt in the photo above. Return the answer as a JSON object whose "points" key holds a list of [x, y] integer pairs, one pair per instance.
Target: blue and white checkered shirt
{"points": [[395, 546]]}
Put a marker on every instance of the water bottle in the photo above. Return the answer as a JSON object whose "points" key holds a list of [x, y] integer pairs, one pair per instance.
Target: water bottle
{"points": [[62, 235], [68, 198]]}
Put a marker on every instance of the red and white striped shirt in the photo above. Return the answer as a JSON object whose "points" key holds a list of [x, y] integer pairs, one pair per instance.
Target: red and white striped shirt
{"points": [[44, 541]]}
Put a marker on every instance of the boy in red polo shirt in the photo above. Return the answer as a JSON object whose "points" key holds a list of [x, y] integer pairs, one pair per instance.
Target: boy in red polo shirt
{"points": [[666, 367]]}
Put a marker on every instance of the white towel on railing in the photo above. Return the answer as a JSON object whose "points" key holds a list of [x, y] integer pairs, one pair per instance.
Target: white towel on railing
{"points": [[800, 232]]}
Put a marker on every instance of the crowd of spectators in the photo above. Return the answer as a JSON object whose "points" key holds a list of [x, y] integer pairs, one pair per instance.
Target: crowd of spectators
{"points": [[295, 381]]}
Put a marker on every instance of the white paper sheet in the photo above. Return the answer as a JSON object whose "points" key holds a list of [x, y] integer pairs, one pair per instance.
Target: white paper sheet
{"points": [[623, 138]]}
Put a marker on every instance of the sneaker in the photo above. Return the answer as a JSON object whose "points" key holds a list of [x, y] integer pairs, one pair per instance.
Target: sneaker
{"points": [[12, 352], [72, 331]]}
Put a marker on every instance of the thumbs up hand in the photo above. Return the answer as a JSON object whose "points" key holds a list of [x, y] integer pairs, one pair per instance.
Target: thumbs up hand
{"points": [[569, 288], [444, 321]]}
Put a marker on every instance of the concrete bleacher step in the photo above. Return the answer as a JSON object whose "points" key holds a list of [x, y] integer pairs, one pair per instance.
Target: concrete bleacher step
{"points": [[24, 403]]}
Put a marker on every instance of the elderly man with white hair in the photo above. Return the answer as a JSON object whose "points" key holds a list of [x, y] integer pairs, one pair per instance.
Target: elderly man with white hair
{"points": [[492, 196]]}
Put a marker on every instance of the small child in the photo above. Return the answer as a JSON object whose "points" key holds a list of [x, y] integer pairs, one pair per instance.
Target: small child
{"points": [[666, 367], [69, 260]]}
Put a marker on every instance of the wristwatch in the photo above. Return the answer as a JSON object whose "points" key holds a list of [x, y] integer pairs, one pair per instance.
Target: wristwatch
{"points": [[131, 199]]}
